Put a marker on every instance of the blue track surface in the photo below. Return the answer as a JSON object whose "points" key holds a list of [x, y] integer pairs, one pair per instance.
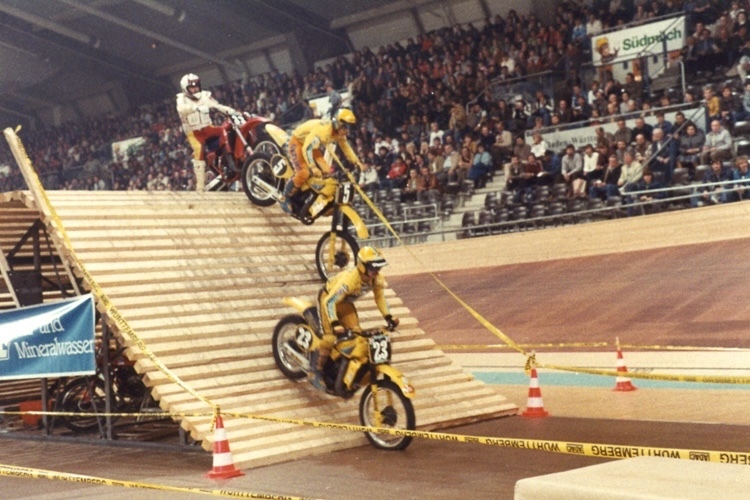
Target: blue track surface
{"points": [[586, 380]]}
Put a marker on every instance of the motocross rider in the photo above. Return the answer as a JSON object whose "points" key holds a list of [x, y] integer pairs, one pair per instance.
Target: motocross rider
{"points": [[336, 309], [307, 147], [193, 105]]}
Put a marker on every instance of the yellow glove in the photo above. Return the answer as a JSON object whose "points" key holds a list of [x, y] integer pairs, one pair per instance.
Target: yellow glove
{"points": [[316, 172]]}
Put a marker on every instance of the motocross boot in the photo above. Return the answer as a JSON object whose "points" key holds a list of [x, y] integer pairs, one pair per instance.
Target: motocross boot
{"points": [[317, 363], [290, 191]]}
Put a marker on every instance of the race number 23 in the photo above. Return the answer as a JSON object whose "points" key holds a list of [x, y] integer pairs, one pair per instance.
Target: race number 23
{"points": [[380, 349]]}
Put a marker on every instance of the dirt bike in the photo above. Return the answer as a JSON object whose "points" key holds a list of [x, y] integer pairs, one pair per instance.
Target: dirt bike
{"points": [[241, 136], [263, 179], [359, 359]]}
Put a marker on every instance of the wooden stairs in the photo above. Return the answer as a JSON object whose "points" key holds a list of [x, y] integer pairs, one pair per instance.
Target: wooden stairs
{"points": [[199, 278]]}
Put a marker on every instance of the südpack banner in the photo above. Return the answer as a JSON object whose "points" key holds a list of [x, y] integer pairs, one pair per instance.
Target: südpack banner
{"points": [[48, 340], [639, 41]]}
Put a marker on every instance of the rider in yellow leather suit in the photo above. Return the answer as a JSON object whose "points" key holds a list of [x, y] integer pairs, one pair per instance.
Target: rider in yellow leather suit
{"points": [[307, 147], [336, 305]]}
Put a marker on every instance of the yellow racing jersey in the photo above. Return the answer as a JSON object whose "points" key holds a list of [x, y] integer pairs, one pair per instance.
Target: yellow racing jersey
{"points": [[316, 135], [348, 286]]}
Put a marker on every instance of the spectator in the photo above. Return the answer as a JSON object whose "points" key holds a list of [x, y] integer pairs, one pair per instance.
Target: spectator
{"points": [[718, 144], [710, 193], [592, 169], [650, 192], [712, 103], [691, 146], [503, 146], [642, 148], [435, 133], [411, 186], [464, 164], [623, 133], [368, 177], [396, 177], [607, 186], [427, 180], [630, 174], [730, 107], [660, 157], [481, 167], [538, 146], [641, 127], [572, 171], [514, 178], [741, 175], [450, 164]]}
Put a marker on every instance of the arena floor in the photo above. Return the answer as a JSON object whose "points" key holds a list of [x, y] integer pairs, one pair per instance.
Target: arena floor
{"points": [[693, 295], [685, 296]]}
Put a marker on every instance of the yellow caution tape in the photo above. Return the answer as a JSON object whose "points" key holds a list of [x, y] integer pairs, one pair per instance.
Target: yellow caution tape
{"points": [[706, 379], [32, 473], [35, 185], [571, 345], [530, 357], [587, 449], [573, 448], [459, 347], [489, 326]]}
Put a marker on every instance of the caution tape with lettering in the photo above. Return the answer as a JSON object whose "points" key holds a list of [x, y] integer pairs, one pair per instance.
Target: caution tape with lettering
{"points": [[566, 447], [32, 473]]}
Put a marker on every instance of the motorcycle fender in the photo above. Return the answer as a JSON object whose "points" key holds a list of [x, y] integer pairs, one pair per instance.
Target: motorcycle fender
{"points": [[398, 378], [277, 134], [357, 222], [300, 305]]}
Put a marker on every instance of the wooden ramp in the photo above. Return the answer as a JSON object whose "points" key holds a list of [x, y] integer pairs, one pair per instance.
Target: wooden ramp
{"points": [[199, 277]]}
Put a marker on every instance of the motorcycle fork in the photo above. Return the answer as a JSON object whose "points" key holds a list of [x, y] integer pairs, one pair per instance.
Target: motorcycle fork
{"points": [[336, 221], [378, 417]]}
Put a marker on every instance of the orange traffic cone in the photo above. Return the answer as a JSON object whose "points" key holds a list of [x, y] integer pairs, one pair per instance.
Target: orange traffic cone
{"points": [[534, 404], [223, 465], [623, 383]]}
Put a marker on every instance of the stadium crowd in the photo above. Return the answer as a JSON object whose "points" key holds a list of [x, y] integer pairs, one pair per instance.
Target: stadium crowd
{"points": [[427, 117]]}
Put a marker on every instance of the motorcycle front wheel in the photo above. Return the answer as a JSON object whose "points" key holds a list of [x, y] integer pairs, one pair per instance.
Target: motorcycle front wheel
{"points": [[344, 255], [258, 165], [394, 411], [286, 331], [83, 395]]}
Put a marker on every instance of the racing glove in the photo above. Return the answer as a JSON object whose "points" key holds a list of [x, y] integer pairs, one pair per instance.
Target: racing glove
{"points": [[392, 322]]}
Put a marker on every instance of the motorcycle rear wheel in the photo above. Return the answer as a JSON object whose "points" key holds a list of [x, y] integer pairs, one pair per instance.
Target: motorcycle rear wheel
{"points": [[268, 147], [258, 164], [344, 257], [395, 412], [83, 395], [285, 331]]}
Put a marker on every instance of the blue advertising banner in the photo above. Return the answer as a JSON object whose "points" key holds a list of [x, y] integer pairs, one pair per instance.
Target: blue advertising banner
{"points": [[48, 340]]}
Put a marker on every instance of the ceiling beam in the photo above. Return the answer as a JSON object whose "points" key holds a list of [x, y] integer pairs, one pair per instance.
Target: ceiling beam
{"points": [[41, 22], [148, 33]]}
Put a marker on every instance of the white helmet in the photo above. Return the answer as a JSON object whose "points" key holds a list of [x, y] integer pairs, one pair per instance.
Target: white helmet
{"points": [[191, 80]]}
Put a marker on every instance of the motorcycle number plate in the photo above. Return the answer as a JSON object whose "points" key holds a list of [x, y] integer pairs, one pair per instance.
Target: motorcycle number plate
{"points": [[303, 337], [344, 194], [279, 166], [380, 349]]}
